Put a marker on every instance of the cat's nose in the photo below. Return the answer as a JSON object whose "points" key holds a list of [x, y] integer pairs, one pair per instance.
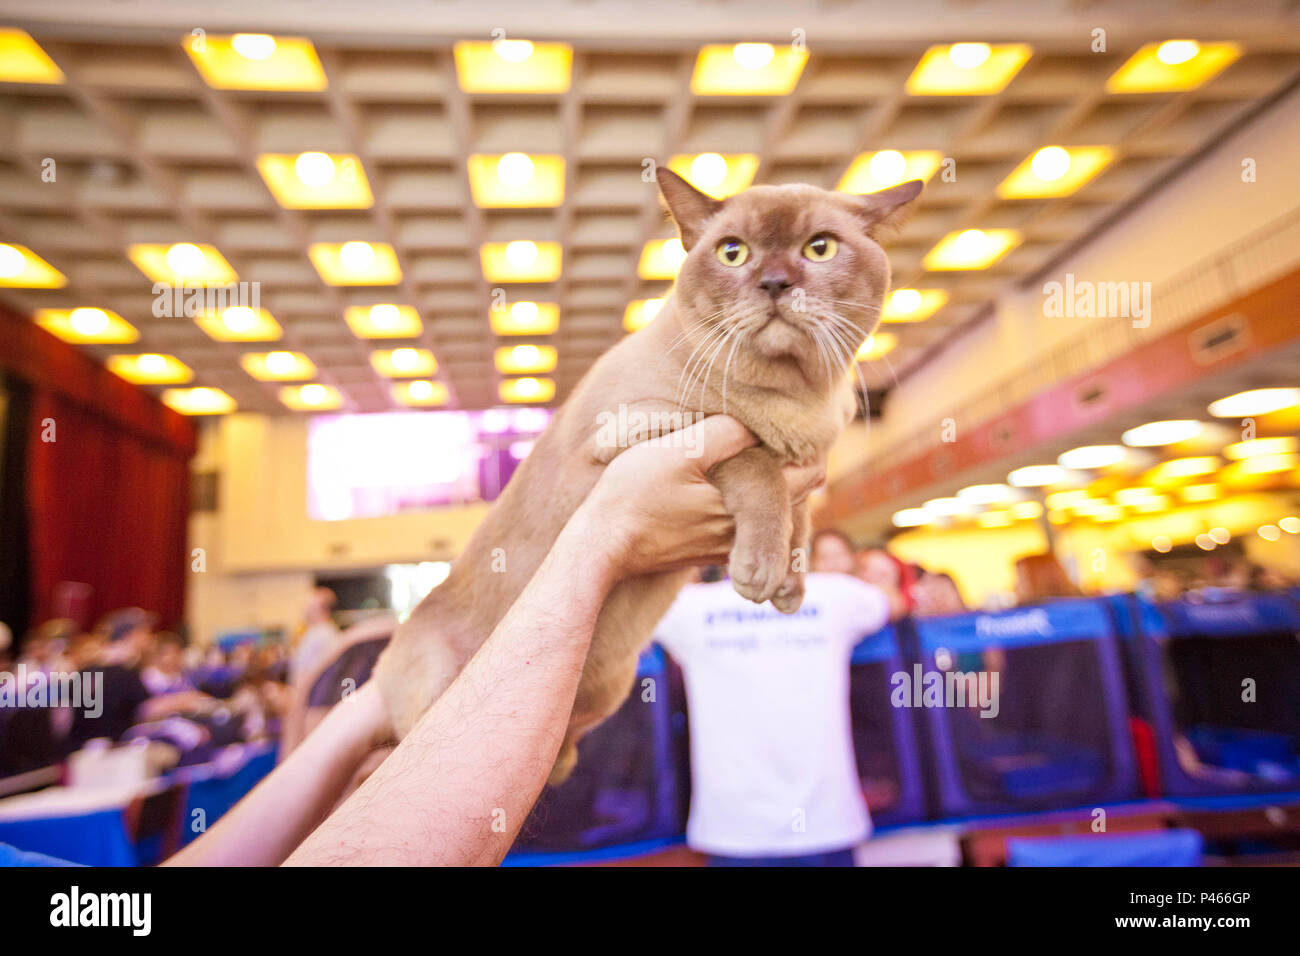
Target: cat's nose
{"points": [[774, 283]]}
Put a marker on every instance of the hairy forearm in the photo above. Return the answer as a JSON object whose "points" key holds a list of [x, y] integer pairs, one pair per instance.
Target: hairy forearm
{"points": [[265, 826], [459, 786]]}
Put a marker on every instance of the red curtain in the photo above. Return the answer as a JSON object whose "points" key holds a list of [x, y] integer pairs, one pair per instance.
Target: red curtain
{"points": [[106, 508]]}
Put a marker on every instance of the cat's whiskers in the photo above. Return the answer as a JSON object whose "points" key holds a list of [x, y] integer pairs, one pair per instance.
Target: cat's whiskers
{"points": [[704, 382], [701, 349], [717, 338]]}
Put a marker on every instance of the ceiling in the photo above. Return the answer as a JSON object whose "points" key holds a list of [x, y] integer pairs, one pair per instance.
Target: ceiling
{"points": [[147, 152]]}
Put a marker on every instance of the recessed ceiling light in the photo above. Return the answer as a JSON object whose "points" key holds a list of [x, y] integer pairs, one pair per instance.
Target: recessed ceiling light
{"points": [[1091, 457], [661, 259], [182, 263], [1174, 65], [312, 397], [516, 180], [521, 260], [513, 66], [526, 318], [911, 518], [404, 362], [87, 325], [355, 263], [640, 313], [971, 249], [20, 268], [912, 305], [719, 175], [747, 69], [525, 359], [524, 390], [239, 323], [198, 401], [23, 61], [876, 346], [1283, 445], [1055, 171], [967, 69], [421, 392], [1036, 476], [257, 61], [1257, 401], [870, 172], [150, 369], [277, 366], [315, 180], [986, 494], [383, 321], [1161, 433]]}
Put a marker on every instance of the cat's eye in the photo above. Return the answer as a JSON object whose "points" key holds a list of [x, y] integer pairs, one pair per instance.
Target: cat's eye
{"points": [[820, 248], [732, 252]]}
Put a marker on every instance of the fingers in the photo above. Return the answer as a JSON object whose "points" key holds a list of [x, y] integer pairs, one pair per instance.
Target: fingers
{"points": [[717, 438], [802, 480]]}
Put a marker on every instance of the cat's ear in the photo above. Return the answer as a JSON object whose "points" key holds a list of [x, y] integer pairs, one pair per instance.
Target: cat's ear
{"points": [[886, 210], [689, 207]]}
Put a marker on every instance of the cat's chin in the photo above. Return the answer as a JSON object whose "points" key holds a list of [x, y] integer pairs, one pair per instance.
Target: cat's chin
{"points": [[779, 338]]}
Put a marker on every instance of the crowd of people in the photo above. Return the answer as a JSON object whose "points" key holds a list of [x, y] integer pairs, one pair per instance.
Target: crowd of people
{"points": [[151, 686]]}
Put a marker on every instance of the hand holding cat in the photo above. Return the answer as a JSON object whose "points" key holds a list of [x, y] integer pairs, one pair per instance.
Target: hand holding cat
{"points": [[654, 509]]}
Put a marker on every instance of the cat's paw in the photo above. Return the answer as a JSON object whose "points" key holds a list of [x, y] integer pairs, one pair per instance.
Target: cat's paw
{"points": [[789, 597], [757, 568]]}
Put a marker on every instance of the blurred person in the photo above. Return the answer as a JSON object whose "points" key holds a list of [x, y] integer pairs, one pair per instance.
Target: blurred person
{"points": [[1042, 577], [831, 550], [879, 568], [937, 595], [6, 647], [319, 638], [774, 781], [165, 671], [1268, 579]]}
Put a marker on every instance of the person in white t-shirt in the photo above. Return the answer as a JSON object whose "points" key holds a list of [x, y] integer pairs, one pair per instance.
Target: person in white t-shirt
{"points": [[774, 780]]}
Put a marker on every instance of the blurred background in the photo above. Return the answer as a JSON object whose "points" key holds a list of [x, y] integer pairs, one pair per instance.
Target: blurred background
{"points": [[287, 291]]}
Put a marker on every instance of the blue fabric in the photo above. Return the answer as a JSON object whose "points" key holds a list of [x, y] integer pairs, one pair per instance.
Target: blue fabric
{"points": [[878, 646], [1158, 848], [216, 795], [94, 839], [1068, 620], [12, 856], [1233, 615], [829, 858]]}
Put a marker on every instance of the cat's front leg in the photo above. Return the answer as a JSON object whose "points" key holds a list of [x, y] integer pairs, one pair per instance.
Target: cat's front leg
{"points": [[790, 596], [630, 424], [755, 494]]}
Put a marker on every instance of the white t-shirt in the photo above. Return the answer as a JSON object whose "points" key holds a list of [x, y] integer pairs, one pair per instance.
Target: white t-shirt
{"points": [[773, 770]]}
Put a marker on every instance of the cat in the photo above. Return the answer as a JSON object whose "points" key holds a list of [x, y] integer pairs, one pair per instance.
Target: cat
{"points": [[789, 281]]}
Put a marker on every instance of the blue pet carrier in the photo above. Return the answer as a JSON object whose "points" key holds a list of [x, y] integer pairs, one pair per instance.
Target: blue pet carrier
{"points": [[1049, 677], [884, 737], [624, 790], [1219, 680]]}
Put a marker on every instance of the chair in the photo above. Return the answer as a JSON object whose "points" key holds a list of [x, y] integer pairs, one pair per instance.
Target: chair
{"points": [[1158, 848]]}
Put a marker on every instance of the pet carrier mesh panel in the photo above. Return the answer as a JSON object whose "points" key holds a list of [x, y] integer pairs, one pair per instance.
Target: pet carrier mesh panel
{"points": [[884, 737], [1220, 681], [1049, 678], [624, 788]]}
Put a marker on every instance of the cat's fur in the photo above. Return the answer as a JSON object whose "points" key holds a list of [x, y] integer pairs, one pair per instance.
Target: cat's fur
{"points": [[720, 342]]}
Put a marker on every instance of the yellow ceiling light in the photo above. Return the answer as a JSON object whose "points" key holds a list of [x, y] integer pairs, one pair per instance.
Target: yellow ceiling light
{"points": [[1036, 476], [1001, 518], [971, 249], [20, 268], [1055, 171], [747, 69], [967, 69], [315, 180], [1172, 66], [912, 305], [182, 263], [87, 326], [1131, 497], [526, 318], [150, 369], [1198, 494], [1106, 514], [1026, 510], [522, 260], [876, 346], [527, 390], [23, 61], [1090, 457], [421, 393], [239, 323], [1151, 505], [277, 366], [525, 359], [312, 397], [198, 401], [640, 313], [987, 494], [1257, 466], [1287, 445], [513, 66], [355, 263], [661, 258], [383, 321], [717, 174], [870, 172], [1058, 500], [516, 180], [404, 362], [256, 61], [911, 518], [1257, 401], [1177, 470], [1162, 433]]}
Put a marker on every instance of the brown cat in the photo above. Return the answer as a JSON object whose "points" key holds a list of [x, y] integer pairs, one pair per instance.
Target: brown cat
{"points": [[780, 286]]}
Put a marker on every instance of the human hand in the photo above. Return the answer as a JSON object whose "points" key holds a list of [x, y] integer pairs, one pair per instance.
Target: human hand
{"points": [[654, 509]]}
